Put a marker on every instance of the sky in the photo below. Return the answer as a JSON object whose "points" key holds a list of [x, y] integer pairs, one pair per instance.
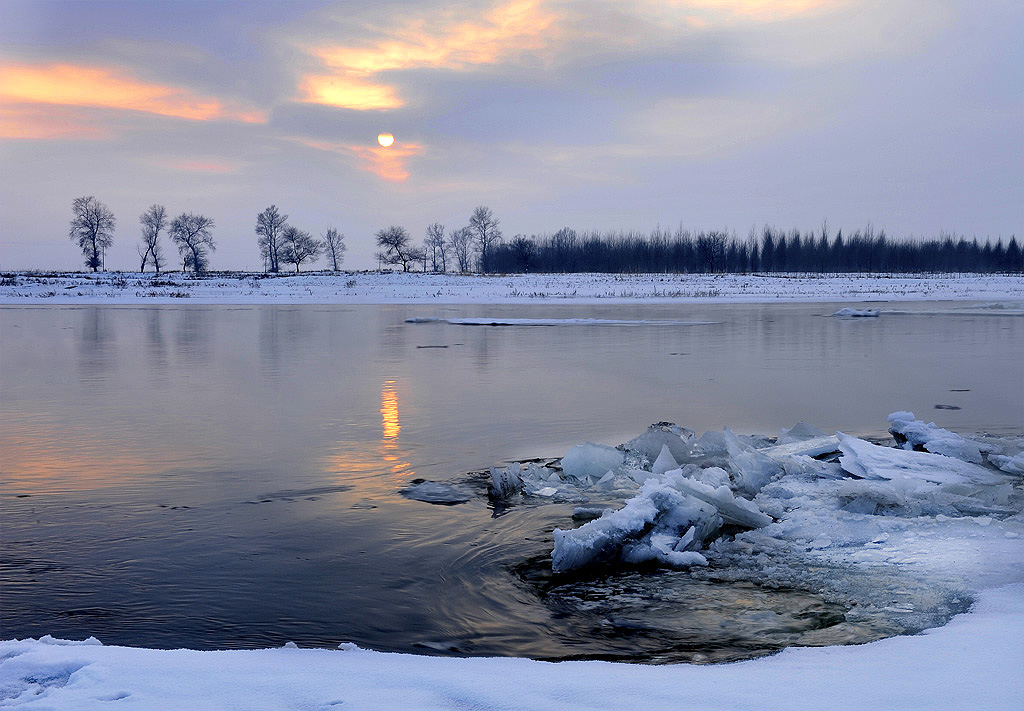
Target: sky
{"points": [[592, 114]]}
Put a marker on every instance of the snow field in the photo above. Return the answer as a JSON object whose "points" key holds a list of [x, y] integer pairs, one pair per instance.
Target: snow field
{"points": [[398, 287]]}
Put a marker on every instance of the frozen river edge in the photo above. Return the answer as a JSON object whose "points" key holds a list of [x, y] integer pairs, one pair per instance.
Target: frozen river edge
{"points": [[972, 662], [398, 287]]}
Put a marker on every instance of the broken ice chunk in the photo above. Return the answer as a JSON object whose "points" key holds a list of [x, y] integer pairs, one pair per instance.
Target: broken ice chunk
{"points": [[871, 461], [1011, 465], [711, 445], [911, 433], [751, 469], [640, 528], [799, 432], [814, 447], [639, 475], [505, 482], [662, 434], [665, 461], [659, 548], [712, 476], [733, 509], [590, 459]]}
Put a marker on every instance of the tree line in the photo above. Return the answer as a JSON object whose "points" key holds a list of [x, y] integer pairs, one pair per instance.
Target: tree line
{"points": [[480, 246], [768, 250], [92, 228]]}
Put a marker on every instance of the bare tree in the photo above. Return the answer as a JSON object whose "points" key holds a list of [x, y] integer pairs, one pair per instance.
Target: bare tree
{"points": [[397, 249], [297, 246], [461, 244], [435, 245], [270, 224], [334, 247], [153, 221], [92, 228], [710, 251], [193, 234], [524, 251], [483, 228]]}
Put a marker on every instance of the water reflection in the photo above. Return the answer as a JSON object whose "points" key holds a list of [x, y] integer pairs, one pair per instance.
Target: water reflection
{"points": [[194, 337], [156, 346], [389, 413], [380, 469], [96, 352]]}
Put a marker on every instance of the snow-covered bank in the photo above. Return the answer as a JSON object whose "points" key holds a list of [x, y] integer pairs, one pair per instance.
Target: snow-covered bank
{"points": [[397, 287], [973, 662]]}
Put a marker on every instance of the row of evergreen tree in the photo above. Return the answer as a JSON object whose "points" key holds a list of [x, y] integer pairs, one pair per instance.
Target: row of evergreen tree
{"points": [[772, 250]]}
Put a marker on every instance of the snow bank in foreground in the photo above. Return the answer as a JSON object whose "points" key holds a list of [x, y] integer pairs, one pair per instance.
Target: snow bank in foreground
{"points": [[971, 663], [1002, 291]]}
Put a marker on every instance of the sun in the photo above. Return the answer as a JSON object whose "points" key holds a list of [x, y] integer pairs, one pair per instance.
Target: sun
{"points": [[385, 139]]}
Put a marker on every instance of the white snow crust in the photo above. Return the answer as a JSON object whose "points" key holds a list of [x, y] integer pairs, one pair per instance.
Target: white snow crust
{"points": [[1003, 294], [971, 663]]}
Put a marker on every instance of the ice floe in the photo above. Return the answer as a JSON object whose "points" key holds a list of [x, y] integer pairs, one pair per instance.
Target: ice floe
{"points": [[501, 321], [433, 492], [848, 312]]}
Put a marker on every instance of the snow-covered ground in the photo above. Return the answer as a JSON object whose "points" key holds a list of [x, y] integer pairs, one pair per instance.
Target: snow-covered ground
{"points": [[398, 287], [971, 663]]}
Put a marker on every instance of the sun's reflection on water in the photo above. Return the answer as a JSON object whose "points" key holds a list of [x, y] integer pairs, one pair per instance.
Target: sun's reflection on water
{"points": [[377, 470], [389, 413]]}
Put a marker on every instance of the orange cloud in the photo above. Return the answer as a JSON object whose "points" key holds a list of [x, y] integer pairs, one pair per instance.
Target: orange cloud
{"points": [[446, 42], [349, 93], [29, 122], [386, 163], [28, 85]]}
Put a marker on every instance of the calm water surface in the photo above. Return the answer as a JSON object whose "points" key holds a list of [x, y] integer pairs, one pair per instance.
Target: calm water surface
{"points": [[218, 476]]}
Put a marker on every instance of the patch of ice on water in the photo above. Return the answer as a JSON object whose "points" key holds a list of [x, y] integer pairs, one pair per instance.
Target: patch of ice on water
{"points": [[499, 321], [433, 492], [847, 312]]}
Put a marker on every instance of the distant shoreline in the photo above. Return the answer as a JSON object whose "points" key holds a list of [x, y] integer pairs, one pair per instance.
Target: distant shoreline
{"points": [[31, 287]]}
